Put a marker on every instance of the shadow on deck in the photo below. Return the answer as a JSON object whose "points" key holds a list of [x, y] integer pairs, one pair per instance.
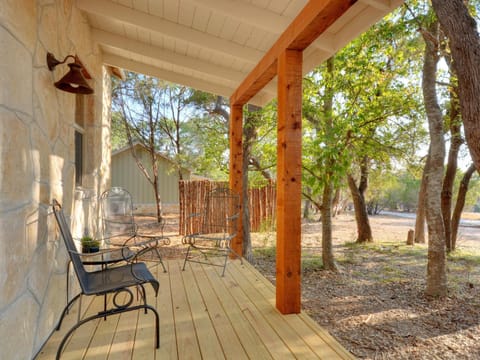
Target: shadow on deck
{"points": [[202, 316]]}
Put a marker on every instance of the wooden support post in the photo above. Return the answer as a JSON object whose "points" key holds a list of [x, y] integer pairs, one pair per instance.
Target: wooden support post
{"points": [[289, 174], [236, 161]]}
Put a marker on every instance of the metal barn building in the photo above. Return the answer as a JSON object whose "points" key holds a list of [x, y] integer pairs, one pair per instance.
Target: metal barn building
{"points": [[126, 174]]}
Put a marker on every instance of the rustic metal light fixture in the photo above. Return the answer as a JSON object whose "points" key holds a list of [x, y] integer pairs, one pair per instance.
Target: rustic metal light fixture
{"points": [[74, 81]]}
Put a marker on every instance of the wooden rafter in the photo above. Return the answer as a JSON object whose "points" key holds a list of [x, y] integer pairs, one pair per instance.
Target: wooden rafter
{"points": [[312, 21]]}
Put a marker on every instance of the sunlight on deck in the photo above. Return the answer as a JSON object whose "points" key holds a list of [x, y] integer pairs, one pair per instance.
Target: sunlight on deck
{"points": [[202, 316]]}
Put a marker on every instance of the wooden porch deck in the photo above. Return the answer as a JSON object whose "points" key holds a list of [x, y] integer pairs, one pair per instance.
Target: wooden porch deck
{"points": [[202, 316]]}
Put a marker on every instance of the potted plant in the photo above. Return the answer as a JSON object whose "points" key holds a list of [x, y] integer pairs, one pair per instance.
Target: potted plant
{"points": [[89, 244]]}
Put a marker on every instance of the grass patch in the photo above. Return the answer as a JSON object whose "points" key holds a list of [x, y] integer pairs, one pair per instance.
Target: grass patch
{"points": [[265, 252], [313, 263], [469, 257], [389, 248]]}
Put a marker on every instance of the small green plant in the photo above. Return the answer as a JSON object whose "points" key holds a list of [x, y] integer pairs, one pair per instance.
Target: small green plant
{"points": [[266, 252], [267, 225], [312, 263], [89, 244]]}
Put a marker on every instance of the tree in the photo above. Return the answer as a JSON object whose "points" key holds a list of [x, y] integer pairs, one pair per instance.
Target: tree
{"points": [[173, 104], [457, 212], [214, 127], [364, 231], [436, 266], [421, 213], [360, 113], [151, 113], [461, 30]]}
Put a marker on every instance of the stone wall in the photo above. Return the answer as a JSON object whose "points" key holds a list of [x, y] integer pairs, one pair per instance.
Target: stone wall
{"points": [[37, 162]]}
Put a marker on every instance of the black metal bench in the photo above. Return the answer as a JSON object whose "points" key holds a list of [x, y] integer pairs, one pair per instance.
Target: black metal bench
{"points": [[116, 280]]}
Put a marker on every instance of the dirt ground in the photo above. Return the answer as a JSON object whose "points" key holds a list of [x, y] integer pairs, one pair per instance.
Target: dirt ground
{"points": [[375, 305]]}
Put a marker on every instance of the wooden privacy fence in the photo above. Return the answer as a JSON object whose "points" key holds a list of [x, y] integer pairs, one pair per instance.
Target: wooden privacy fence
{"points": [[192, 194]]}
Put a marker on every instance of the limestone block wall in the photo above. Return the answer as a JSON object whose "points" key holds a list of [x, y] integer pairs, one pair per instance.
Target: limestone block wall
{"points": [[37, 162]]}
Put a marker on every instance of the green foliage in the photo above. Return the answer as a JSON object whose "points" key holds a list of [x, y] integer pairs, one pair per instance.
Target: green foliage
{"points": [[88, 242], [367, 104], [117, 132], [393, 190]]}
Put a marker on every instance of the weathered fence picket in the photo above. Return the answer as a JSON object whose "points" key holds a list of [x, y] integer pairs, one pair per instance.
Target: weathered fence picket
{"points": [[192, 193]]}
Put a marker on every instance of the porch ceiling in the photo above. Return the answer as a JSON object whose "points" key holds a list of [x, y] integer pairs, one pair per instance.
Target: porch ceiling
{"points": [[212, 45]]}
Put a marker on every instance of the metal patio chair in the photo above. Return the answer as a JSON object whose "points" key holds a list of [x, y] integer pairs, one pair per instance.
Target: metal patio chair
{"points": [[214, 229], [114, 280], [119, 227]]}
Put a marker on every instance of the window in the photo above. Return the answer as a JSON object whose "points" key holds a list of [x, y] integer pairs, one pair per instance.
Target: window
{"points": [[79, 139], [78, 158]]}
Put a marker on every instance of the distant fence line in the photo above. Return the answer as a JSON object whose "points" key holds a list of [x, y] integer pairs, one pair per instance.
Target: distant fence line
{"points": [[262, 203]]}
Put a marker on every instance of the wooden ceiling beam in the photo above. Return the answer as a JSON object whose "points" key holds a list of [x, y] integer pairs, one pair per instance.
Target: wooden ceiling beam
{"points": [[187, 80], [151, 70], [312, 21], [170, 29], [166, 56]]}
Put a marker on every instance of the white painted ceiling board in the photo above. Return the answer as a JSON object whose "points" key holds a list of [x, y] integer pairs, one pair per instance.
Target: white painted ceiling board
{"points": [[201, 18], [294, 8], [215, 42], [155, 7], [278, 6], [186, 14], [170, 10], [141, 5]]}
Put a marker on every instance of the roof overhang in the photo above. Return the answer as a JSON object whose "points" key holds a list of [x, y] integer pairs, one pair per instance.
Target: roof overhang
{"points": [[212, 45]]}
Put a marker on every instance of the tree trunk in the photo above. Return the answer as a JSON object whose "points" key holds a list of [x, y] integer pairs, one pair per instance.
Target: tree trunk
{"points": [[336, 202], [327, 251], [420, 217], [364, 231], [436, 266], [457, 212], [326, 208], [247, 241], [249, 137], [307, 205], [448, 181], [461, 30]]}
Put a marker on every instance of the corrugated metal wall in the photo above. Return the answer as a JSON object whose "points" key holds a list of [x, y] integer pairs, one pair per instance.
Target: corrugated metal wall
{"points": [[126, 174]]}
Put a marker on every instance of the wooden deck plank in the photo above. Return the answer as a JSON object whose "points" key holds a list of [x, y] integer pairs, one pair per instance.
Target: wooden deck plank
{"points": [[312, 327], [187, 343], [144, 347], [207, 337], [202, 316], [272, 316], [232, 298], [232, 347], [79, 341], [69, 320], [326, 337], [319, 347], [101, 343], [164, 303], [262, 329], [122, 344]]}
